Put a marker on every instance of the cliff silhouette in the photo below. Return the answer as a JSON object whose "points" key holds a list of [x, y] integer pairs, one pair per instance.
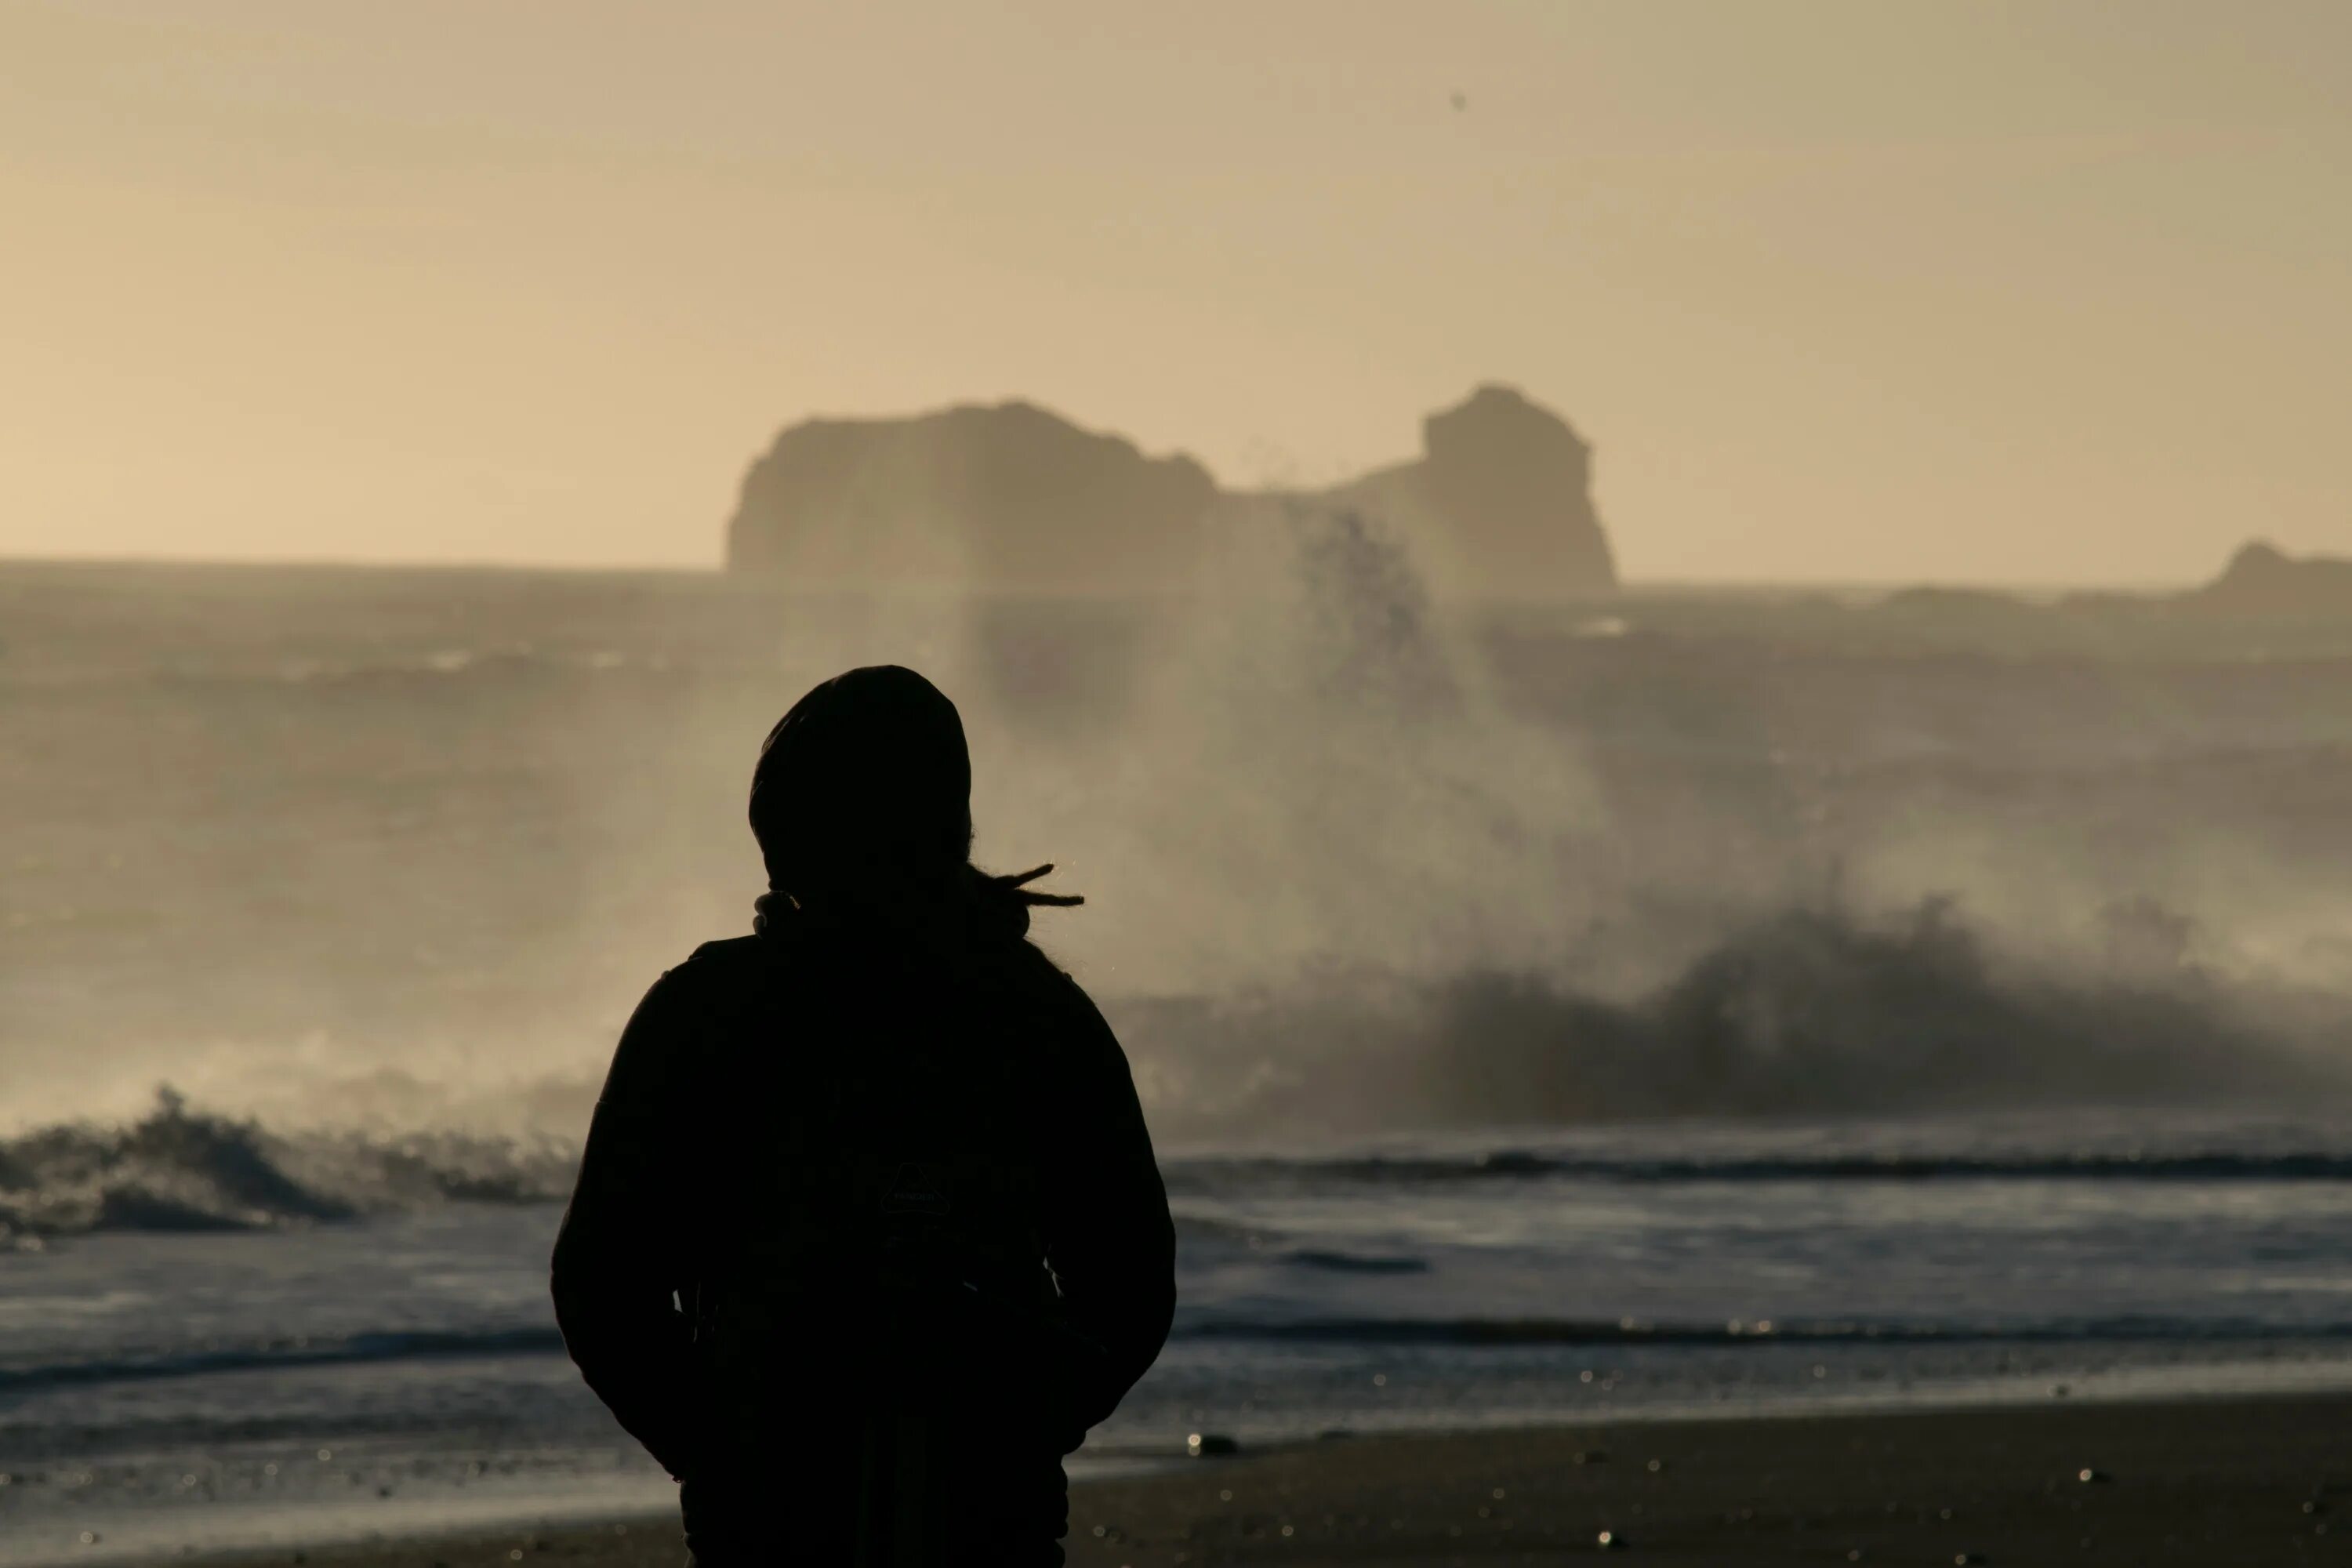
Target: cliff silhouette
{"points": [[1012, 497]]}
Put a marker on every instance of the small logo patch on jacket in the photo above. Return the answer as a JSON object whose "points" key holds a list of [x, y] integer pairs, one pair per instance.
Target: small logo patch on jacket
{"points": [[917, 1189]]}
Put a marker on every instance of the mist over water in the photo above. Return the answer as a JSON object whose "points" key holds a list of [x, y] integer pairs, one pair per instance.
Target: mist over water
{"points": [[397, 851], [1623, 1009]]}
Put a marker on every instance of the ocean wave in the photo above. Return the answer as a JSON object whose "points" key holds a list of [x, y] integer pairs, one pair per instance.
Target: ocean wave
{"points": [[280, 1354], [1802, 1012], [1199, 1233], [1333, 1260], [1514, 1166], [178, 1169], [1602, 1332], [1459, 1332], [392, 1346]]}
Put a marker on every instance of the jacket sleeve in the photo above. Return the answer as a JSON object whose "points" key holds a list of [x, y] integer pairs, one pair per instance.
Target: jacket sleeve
{"points": [[623, 1274], [1109, 1240]]}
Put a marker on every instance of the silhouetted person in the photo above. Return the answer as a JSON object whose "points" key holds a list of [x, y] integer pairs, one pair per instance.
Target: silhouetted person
{"points": [[869, 1231]]}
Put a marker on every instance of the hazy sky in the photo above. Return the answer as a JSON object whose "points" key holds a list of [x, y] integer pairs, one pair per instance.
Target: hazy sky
{"points": [[1885, 289]]}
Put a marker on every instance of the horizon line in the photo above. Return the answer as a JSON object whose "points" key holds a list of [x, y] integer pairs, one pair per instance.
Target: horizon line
{"points": [[490, 567]]}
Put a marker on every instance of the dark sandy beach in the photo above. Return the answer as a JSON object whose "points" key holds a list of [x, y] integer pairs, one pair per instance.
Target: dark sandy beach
{"points": [[2239, 1483]]}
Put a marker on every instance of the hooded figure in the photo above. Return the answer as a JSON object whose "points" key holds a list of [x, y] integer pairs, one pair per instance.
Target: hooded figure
{"points": [[869, 1229]]}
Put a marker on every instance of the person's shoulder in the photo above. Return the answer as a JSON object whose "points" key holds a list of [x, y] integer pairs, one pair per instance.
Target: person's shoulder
{"points": [[1030, 968], [1060, 992], [727, 953], [715, 968]]}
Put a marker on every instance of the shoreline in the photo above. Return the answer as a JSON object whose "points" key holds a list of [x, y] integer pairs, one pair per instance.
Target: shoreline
{"points": [[2236, 1479]]}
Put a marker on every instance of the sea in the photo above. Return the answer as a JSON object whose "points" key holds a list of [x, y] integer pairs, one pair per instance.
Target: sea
{"points": [[1693, 1002]]}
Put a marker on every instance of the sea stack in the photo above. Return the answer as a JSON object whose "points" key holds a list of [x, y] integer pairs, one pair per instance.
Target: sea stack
{"points": [[1007, 498], [1500, 504], [1010, 498]]}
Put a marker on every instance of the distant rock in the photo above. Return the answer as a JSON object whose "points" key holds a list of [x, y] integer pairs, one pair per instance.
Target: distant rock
{"points": [[1011, 497], [1500, 504], [2263, 580], [1008, 497]]}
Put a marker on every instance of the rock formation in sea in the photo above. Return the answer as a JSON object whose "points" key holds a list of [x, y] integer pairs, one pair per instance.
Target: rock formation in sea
{"points": [[1013, 498], [2263, 580], [1500, 504], [1008, 497]]}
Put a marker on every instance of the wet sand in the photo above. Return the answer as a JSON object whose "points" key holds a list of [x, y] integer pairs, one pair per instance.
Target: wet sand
{"points": [[2240, 1483]]}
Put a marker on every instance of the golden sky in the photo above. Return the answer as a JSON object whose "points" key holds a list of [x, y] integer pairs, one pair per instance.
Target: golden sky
{"points": [[1887, 289]]}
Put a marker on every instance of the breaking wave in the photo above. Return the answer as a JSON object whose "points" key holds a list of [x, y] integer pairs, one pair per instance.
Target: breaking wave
{"points": [[1800, 1012], [1802, 1015], [178, 1169]]}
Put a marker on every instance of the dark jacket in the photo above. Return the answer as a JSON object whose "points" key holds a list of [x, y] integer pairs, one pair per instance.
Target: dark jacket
{"points": [[837, 1176]]}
